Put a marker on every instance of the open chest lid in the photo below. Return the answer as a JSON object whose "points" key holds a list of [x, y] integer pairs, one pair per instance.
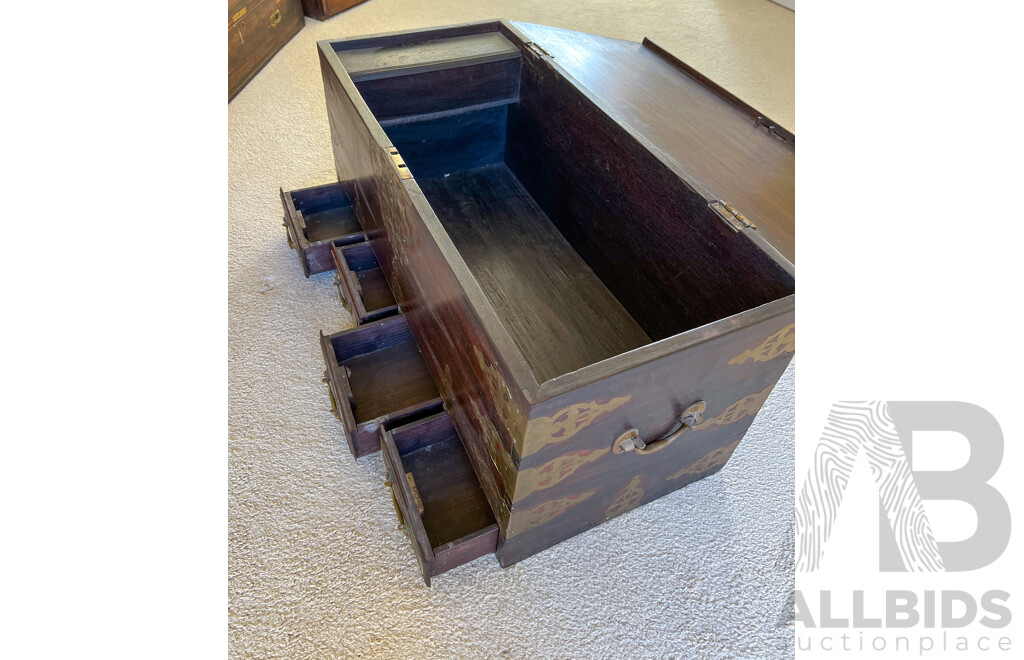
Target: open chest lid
{"points": [[738, 159]]}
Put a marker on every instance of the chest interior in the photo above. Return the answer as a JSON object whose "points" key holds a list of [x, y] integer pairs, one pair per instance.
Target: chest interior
{"points": [[584, 242]]}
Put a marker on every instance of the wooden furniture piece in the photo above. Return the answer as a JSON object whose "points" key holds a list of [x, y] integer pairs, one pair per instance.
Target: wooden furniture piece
{"points": [[321, 10], [257, 29], [317, 219], [592, 245]]}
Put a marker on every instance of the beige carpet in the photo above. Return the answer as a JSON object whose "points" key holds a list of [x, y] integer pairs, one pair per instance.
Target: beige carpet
{"points": [[317, 564]]}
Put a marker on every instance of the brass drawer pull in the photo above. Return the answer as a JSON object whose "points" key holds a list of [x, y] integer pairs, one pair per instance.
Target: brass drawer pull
{"points": [[334, 405], [288, 234], [630, 440], [341, 292], [398, 511]]}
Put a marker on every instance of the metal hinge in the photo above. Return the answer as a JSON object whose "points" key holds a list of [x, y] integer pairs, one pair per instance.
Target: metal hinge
{"points": [[772, 128], [539, 50], [403, 169], [735, 219]]}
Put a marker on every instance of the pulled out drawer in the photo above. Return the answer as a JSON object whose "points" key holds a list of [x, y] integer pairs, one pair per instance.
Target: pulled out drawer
{"points": [[377, 378], [317, 218], [437, 495], [364, 290]]}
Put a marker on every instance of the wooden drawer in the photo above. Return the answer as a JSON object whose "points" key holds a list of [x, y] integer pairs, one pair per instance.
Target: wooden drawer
{"points": [[256, 31], [363, 288], [316, 219], [376, 378], [437, 496], [585, 249], [324, 9]]}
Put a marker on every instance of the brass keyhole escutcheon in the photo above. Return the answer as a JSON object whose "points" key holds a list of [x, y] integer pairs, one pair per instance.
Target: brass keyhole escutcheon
{"points": [[275, 18]]}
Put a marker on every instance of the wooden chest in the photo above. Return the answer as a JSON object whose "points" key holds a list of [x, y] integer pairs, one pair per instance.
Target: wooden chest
{"points": [[592, 247], [257, 29]]}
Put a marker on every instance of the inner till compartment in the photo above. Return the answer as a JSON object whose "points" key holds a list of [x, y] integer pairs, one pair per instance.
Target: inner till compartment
{"points": [[585, 244]]}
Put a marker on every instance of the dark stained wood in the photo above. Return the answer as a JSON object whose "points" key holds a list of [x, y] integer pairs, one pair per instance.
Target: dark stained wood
{"points": [[442, 301], [648, 235], [330, 224], [744, 107], [324, 9], [317, 219], [414, 36], [388, 380], [437, 147], [376, 377], [456, 524], [557, 311], [732, 368], [723, 153], [396, 99], [616, 203], [405, 59], [362, 284], [256, 35]]}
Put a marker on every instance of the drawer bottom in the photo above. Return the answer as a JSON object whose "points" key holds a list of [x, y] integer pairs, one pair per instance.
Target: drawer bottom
{"points": [[439, 500], [377, 378]]}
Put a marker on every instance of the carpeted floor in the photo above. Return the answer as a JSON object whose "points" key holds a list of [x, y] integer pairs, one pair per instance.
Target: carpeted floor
{"points": [[317, 564]]}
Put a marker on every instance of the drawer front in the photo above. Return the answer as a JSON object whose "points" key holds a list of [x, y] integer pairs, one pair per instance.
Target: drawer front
{"points": [[437, 496], [573, 475], [376, 378], [256, 36]]}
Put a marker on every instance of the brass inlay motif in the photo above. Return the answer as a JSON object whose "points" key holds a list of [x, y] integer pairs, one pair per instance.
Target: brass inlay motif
{"points": [[783, 341], [500, 456], [569, 421], [716, 458], [511, 417], [748, 405], [526, 519], [631, 495], [554, 472]]}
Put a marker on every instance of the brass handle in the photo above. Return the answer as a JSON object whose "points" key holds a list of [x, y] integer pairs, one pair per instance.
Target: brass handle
{"points": [[630, 440], [341, 293], [398, 511], [334, 405], [288, 235], [275, 18]]}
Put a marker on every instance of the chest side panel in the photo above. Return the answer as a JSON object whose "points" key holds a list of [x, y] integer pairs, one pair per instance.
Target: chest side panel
{"points": [[489, 415], [571, 479]]}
